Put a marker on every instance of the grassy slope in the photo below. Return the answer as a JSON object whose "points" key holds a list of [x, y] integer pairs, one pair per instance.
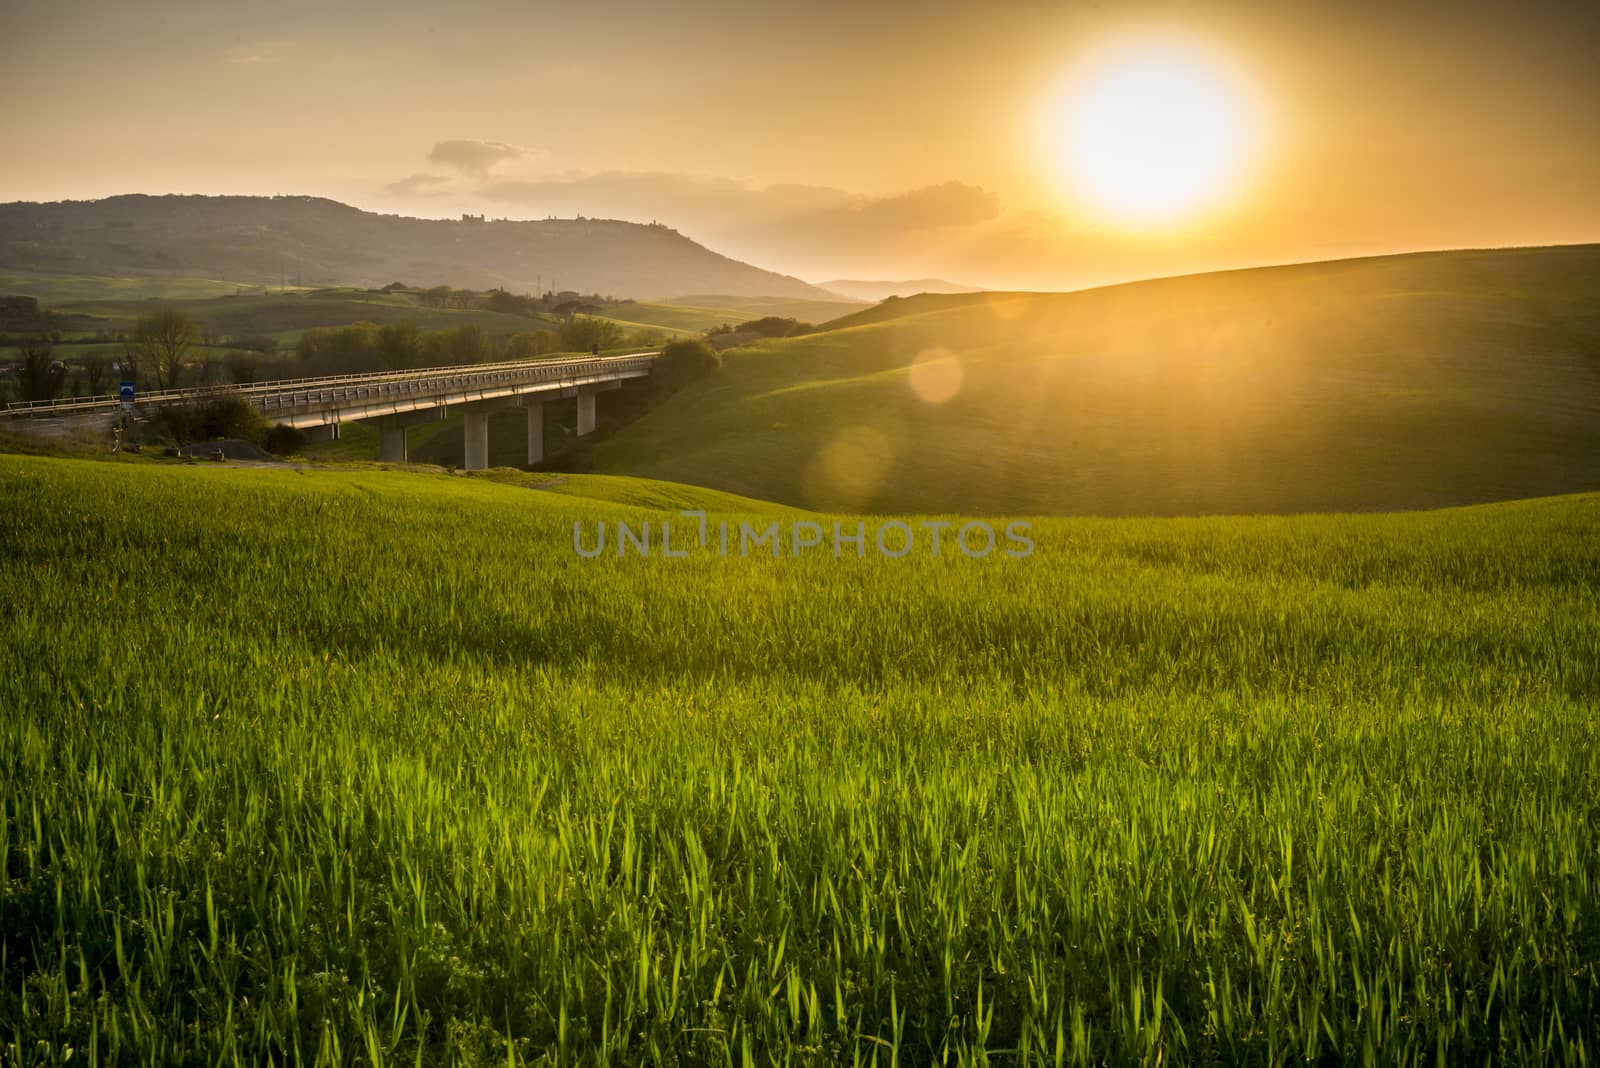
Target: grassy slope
{"points": [[287, 316], [697, 314], [300, 757], [1402, 382], [746, 308], [59, 289]]}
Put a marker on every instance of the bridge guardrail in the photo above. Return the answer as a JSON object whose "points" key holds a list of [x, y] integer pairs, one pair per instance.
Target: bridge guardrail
{"points": [[262, 392]]}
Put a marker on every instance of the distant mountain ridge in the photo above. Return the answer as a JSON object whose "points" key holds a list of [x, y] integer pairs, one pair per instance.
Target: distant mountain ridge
{"points": [[258, 239], [876, 291]]}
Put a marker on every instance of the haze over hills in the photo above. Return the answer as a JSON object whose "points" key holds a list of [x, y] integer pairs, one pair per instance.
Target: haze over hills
{"points": [[876, 291], [256, 240], [1392, 383]]}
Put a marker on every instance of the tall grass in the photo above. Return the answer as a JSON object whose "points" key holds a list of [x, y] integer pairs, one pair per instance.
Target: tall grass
{"points": [[370, 768]]}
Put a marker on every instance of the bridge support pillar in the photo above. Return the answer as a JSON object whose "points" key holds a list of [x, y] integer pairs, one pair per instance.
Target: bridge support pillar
{"points": [[476, 426], [392, 442], [585, 412], [535, 432], [324, 432]]}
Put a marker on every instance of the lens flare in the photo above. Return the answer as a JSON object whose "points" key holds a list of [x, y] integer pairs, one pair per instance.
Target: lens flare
{"points": [[936, 375], [849, 469]]}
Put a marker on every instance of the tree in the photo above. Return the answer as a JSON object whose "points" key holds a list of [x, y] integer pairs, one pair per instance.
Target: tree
{"points": [[468, 345], [775, 326], [582, 333], [508, 303], [244, 365], [130, 365], [683, 362], [96, 366], [527, 345], [399, 345], [163, 340], [41, 376]]}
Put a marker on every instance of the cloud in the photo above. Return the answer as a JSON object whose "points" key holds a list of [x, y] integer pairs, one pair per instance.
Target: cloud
{"points": [[817, 230], [932, 207], [475, 159], [691, 203], [419, 185], [879, 235]]}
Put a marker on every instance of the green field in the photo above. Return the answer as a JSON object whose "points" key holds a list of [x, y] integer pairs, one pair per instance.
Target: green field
{"points": [[370, 767], [1401, 382], [716, 310], [694, 315], [73, 288], [234, 308], [285, 316]]}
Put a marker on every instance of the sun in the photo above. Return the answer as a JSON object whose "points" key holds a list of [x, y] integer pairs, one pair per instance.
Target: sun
{"points": [[1151, 134]]}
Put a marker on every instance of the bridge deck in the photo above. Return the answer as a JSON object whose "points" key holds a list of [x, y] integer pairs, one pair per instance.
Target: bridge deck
{"points": [[311, 401]]}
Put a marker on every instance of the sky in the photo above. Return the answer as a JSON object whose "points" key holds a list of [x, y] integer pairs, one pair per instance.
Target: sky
{"points": [[829, 139]]}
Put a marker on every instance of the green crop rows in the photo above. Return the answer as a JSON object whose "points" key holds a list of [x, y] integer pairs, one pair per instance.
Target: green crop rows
{"points": [[312, 767]]}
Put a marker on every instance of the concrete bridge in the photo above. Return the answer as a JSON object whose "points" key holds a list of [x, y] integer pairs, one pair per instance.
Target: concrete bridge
{"points": [[395, 400]]}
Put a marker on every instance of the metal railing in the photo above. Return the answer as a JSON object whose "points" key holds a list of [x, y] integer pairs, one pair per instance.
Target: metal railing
{"points": [[329, 389]]}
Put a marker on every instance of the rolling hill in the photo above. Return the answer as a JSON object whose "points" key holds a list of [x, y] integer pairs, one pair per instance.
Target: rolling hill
{"points": [[857, 289], [1387, 383], [321, 242]]}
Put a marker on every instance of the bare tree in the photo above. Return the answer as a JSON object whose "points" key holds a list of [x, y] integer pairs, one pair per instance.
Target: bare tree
{"points": [[163, 340], [129, 366], [95, 363], [41, 376], [244, 365]]}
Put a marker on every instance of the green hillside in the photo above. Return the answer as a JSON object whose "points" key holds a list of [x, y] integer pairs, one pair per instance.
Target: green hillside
{"points": [[697, 314], [51, 288], [807, 311], [1399, 382], [261, 240], [285, 316], [300, 765]]}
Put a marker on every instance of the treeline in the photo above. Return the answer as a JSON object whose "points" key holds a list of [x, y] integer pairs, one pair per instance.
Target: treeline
{"points": [[167, 350], [729, 336], [565, 302], [366, 347]]}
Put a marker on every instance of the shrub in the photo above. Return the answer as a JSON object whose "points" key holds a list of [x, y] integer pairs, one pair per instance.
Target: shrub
{"points": [[527, 345], [281, 440], [683, 362], [225, 415], [583, 333], [774, 326]]}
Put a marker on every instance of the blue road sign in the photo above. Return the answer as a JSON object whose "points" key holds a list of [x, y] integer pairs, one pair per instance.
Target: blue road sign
{"points": [[125, 391]]}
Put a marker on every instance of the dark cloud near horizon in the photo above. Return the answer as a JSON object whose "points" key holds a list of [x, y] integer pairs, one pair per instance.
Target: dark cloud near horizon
{"points": [[475, 159], [949, 204], [813, 226], [683, 201], [419, 185]]}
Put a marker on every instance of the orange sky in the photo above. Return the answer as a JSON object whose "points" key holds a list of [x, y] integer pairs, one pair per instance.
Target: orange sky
{"points": [[826, 140]]}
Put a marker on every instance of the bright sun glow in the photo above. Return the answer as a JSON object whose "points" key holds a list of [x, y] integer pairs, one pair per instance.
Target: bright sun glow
{"points": [[1151, 134]]}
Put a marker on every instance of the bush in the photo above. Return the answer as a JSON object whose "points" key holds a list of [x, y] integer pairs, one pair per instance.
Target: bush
{"points": [[281, 440], [582, 333], [683, 362], [226, 415], [774, 326], [527, 345]]}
